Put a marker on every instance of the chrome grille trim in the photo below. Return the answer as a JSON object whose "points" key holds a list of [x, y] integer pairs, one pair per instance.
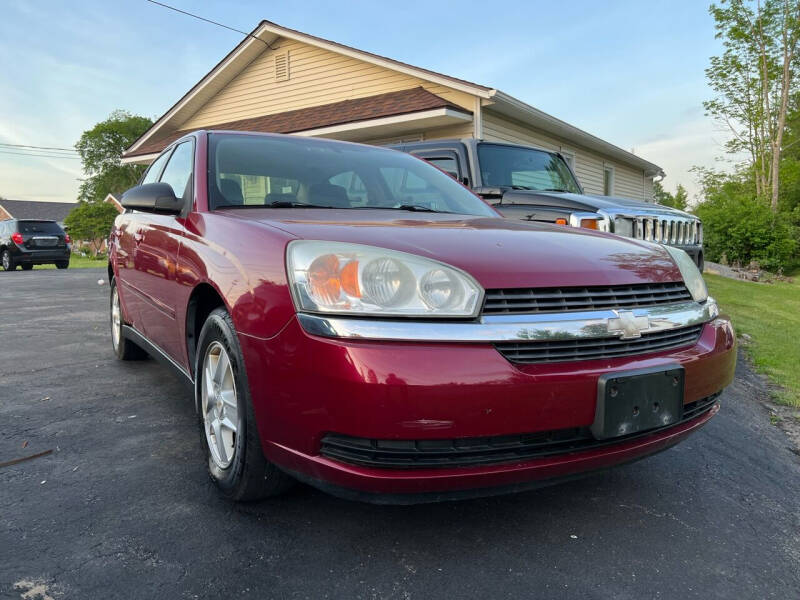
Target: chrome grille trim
{"points": [[509, 327]]}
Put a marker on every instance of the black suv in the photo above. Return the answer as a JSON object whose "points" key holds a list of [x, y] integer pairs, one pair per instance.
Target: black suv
{"points": [[27, 242]]}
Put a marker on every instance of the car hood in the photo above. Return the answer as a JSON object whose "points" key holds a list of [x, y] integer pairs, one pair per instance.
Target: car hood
{"points": [[497, 252], [584, 202]]}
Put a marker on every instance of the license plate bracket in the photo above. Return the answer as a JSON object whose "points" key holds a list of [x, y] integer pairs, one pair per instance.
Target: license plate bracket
{"points": [[635, 401]]}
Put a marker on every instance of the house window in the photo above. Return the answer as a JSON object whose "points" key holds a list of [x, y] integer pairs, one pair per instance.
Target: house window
{"points": [[608, 180], [282, 66]]}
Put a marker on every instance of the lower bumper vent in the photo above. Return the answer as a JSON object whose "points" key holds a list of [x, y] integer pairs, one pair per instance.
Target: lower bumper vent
{"points": [[468, 452]]}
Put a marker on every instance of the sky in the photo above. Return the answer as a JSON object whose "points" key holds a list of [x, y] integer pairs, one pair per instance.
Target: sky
{"points": [[630, 72]]}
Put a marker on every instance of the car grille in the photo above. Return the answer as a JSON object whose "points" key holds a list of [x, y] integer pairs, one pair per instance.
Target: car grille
{"points": [[538, 300], [665, 229], [594, 348], [465, 452]]}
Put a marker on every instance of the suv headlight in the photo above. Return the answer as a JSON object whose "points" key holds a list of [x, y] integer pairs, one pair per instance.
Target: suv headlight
{"points": [[337, 277], [691, 274]]}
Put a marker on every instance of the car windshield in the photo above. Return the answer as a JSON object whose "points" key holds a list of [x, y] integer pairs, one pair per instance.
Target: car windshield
{"points": [[281, 172], [525, 168], [45, 227]]}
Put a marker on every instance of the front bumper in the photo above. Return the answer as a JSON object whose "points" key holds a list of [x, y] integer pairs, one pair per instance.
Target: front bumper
{"points": [[305, 387]]}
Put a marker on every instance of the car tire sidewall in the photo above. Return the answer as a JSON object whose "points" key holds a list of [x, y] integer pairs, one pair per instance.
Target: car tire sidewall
{"points": [[218, 328], [8, 261]]}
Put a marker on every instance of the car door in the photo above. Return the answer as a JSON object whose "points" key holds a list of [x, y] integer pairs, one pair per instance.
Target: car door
{"points": [[126, 236], [157, 243]]}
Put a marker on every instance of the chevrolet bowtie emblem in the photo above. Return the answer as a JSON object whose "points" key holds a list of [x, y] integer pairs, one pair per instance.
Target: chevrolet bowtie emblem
{"points": [[627, 325]]}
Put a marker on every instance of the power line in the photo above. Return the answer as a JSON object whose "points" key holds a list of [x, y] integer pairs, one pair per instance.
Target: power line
{"points": [[183, 12], [2, 151], [39, 147]]}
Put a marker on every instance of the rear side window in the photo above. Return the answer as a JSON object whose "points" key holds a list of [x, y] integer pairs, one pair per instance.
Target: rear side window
{"points": [[46, 227], [155, 169], [179, 169]]}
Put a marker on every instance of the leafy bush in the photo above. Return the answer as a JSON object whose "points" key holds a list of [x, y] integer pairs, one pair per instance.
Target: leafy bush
{"points": [[738, 227]]}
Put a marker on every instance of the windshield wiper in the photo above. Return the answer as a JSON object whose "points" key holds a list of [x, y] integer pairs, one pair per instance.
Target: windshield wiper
{"points": [[409, 207], [287, 204], [277, 204], [554, 190]]}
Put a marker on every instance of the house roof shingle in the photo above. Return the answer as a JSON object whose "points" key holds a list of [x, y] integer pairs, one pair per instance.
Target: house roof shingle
{"points": [[29, 209], [338, 113]]}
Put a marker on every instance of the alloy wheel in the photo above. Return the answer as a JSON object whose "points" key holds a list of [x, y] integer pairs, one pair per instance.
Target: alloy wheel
{"points": [[219, 405], [116, 319]]}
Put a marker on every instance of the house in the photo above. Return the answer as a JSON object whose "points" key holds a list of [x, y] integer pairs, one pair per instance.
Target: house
{"points": [[28, 209], [285, 81], [112, 200]]}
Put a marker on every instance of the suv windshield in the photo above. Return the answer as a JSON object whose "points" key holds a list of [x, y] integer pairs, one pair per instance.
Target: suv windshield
{"points": [[525, 168], [46, 227], [266, 171]]}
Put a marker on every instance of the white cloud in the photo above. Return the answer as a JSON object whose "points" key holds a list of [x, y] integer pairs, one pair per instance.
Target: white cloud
{"points": [[696, 142]]}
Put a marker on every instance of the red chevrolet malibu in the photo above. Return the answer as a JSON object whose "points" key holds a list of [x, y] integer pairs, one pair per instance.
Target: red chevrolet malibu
{"points": [[352, 317]]}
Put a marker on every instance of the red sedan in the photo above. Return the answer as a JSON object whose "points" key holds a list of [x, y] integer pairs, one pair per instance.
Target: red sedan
{"points": [[352, 317]]}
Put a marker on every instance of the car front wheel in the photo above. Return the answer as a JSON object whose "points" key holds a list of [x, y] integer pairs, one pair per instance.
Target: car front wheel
{"points": [[230, 437], [124, 349]]}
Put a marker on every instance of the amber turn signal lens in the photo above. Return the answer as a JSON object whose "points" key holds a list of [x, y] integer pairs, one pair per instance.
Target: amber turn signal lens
{"points": [[323, 277], [561, 221], [589, 223], [349, 278]]}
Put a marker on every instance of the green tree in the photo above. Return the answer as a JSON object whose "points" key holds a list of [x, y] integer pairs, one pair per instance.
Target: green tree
{"points": [[739, 227], [679, 200], [753, 81], [101, 148], [91, 222]]}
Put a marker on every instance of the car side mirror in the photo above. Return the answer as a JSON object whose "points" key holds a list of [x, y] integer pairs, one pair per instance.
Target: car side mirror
{"points": [[153, 197]]}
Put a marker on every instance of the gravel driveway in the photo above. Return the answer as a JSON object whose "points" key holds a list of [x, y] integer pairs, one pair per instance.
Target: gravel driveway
{"points": [[122, 508]]}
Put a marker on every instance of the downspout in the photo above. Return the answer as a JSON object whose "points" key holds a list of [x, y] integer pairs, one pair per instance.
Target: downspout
{"points": [[477, 120]]}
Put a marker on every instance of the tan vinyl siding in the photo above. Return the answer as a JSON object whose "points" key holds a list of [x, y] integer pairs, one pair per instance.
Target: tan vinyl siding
{"points": [[316, 77], [628, 182]]}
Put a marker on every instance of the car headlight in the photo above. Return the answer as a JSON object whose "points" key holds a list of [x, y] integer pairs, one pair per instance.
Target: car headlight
{"points": [[691, 274], [336, 277]]}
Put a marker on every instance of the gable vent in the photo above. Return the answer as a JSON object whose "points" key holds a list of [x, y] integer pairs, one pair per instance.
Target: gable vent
{"points": [[282, 66]]}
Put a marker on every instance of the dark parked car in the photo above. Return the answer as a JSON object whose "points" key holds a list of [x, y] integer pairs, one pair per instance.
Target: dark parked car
{"points": [[26, 243], [380, 349], [537, 185]]}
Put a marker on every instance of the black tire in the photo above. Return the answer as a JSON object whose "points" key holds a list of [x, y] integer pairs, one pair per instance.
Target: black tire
{"points": [[124, 349], [8, 261], [64, 264], [249, 476], [27, 267]]}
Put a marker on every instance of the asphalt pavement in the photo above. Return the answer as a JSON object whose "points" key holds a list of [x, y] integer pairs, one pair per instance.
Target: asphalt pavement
{"points": [[123, 508]]}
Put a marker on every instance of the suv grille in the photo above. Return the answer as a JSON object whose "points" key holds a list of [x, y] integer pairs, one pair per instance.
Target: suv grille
{"points": [[537, 300], [465, 452], [594, 348]]}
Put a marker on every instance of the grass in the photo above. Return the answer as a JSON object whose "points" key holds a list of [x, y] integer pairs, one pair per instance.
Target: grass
{"points": [[770, 315], [79, 262]]}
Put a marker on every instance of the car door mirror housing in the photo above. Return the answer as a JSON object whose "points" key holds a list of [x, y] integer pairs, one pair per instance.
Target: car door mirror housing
{"points": [[153, 197]]}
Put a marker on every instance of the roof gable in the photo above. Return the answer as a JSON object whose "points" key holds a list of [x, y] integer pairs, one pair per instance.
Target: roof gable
{"points": [[45, 211], [315, 117]]}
